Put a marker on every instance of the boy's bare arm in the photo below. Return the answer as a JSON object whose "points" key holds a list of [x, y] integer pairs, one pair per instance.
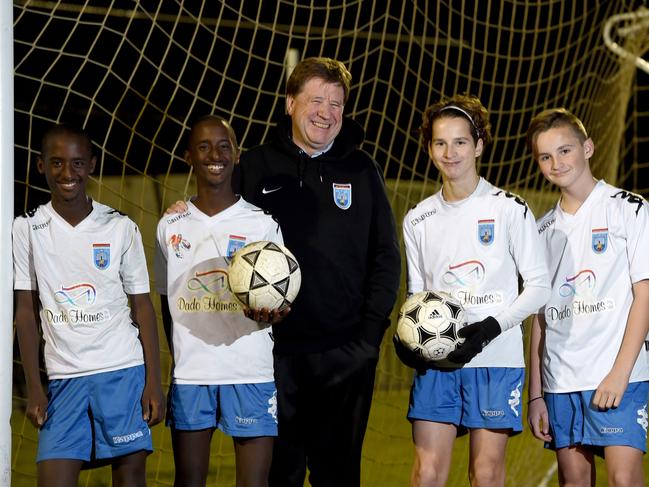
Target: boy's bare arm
{"points": [[152, 398], [537, 412], [610, 391], [29, 340]]}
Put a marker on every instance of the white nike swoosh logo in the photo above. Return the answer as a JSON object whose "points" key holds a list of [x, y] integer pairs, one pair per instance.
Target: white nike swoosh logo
{"points": [[272, 190]]}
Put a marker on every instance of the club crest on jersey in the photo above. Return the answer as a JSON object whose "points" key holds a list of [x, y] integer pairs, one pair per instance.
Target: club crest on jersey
{"points": [[486, 230], [101, 255], [235, 242], [342, 195], [179, 244], [600, 240]]}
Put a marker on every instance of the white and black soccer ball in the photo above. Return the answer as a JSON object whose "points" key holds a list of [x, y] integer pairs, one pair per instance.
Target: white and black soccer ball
{"points": [[428, 324], [264, 275]]}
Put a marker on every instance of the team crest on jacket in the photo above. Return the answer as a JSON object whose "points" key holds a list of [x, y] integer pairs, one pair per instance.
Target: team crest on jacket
{"points": [[101, 255], [342, 195], [600, 240], [486, 230], [235, 242]]}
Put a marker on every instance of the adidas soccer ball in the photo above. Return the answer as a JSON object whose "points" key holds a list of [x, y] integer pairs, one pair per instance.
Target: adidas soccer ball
{"points": [[264, 275], [428, 324]]}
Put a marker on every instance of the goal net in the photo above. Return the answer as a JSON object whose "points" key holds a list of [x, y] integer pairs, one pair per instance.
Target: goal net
{"points": [[135, 73]]}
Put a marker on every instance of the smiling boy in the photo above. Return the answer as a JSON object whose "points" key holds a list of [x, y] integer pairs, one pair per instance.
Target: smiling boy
{"points": [[77, 264], [588, 366]]}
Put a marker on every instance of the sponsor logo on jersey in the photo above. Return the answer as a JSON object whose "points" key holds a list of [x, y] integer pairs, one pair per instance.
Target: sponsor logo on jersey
{"points": [[235, 242], [581, 284], [214, 281], [465, 276], [342, 195], [643, 418], [75, 317], [208, 289], [580, 287], [179, 245], [466, 273], [515, 399], [80, 295], [486, 231], [469, 298], [101, 255], [599, 240]]}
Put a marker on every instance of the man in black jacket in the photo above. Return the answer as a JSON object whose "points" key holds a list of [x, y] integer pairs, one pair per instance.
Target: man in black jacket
{"points": [[329, 198]]}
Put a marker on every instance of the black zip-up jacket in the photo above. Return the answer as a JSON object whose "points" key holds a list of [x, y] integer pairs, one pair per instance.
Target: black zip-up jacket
{"points": [[347, 251]]}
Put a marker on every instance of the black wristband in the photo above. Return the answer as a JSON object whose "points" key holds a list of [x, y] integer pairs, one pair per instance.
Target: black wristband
{"points": [[534, 399]]}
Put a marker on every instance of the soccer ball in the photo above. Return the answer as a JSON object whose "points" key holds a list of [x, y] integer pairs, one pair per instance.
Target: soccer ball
{"points": [[264, 275], [428, 324]]}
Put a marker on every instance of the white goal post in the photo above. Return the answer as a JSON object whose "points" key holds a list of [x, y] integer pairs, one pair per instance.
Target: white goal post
{"points": [[6, 218]]}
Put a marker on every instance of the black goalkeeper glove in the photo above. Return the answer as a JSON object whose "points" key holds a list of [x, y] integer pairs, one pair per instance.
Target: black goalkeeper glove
{"points": [[477, 336], [408, 357]]}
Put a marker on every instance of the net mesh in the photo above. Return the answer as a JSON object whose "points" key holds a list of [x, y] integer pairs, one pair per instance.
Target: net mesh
{"points": [[135, 73]]}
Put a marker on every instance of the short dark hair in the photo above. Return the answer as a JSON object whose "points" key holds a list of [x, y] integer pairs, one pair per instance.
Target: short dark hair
{"points": [[213, 118], [467, 107], [330, 70], [552, 118], [68, 129]]}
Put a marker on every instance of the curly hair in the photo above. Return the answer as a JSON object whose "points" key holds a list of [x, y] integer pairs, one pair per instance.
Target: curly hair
{"points": [[468, 107]]}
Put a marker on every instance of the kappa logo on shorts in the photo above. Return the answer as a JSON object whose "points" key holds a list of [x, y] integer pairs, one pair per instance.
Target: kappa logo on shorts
{"points": [[342, 195], [101, 255], [515, 399], [272, 409], [643, 419], [117, 440], [486, 229], [599, 242]]}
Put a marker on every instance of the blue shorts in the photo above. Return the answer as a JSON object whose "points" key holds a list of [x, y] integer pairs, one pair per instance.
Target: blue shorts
{"points": [[95, 417], [239, 410], [575, 421], [470, 398]]}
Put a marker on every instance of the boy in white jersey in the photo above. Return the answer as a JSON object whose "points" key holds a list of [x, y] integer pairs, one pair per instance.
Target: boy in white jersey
{"points": [[223, 361], [77, 264], [472, 240], [588, 365]]}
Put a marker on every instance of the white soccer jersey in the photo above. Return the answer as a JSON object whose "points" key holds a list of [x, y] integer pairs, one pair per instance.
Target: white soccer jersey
{"points": [[475, 249], [83, 275], [213, 341], [595, 256]]}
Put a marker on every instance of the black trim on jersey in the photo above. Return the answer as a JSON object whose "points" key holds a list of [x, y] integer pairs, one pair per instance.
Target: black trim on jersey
{"points": [[516, 198], [29, 213], [632, 198]]}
